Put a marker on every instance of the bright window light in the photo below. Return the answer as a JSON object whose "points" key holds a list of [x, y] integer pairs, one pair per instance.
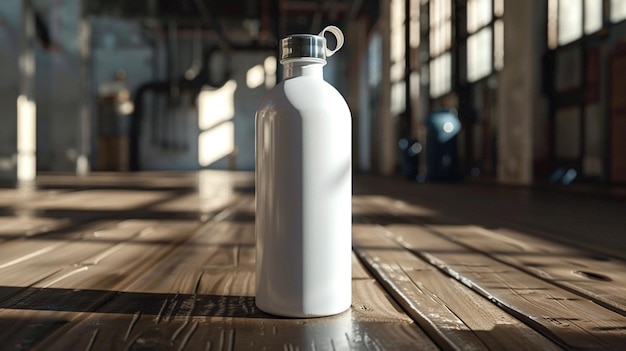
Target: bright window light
{"points": [[397, 39], [479, 55], [414, 23], [216, 143], [26, 139], [398, 98], [440, 26], [593, 15], [618, 10], [216, 108], [440, 75], [255, 76], [270, 71], [498, 8], [570, 22], [216, 105], [479, 14]]}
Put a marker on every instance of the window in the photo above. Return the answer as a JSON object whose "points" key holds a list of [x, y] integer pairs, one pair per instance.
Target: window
{"points": [[593, 16], [414, 42], [414, 24], [485, 41], [618, 10], [479, 57], [397, 40], [440, 75], [397, 55], [479, 14], [440, 40], [440, 27], [569, 20]]}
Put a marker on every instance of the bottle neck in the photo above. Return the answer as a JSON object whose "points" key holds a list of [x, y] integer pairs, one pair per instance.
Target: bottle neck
{"points": [[300, 68]]}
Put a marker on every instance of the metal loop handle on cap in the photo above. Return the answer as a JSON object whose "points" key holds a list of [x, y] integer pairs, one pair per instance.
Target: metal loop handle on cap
{"points": [[338, 35]]}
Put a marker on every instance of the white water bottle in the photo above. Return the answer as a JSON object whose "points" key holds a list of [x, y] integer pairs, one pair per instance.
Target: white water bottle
{"points": [[304, 187]]}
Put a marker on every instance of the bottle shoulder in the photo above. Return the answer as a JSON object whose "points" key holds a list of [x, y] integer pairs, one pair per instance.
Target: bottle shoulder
{"points": [[304, 93]]}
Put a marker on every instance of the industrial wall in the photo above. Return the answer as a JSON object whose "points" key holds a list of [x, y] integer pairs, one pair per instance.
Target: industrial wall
{"points": [[177, 131]]}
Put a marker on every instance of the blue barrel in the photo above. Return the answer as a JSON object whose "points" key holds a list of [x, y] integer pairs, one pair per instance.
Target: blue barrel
{"points": [[442, 156]]}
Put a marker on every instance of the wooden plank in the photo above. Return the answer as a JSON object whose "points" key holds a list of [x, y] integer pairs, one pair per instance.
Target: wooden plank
{"points": [[163, 284], [156, 180], [97, 200], [39, 262], [27, 225], [48, 273], [42, 257], [572, 321], [596, 276], [452, 314], [580, 216], [211, 304], [55, 296], [12, 197]]}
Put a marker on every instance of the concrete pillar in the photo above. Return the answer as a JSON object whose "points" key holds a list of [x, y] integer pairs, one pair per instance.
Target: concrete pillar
{"points": [[387, 127], [519, 89], [26, 106]]}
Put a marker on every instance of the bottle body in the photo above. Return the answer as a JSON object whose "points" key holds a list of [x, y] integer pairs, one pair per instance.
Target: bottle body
{"points": [[303, 199]]}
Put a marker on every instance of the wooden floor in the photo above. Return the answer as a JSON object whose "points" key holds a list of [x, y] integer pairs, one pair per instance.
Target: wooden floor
{"points": [[165, 261]]}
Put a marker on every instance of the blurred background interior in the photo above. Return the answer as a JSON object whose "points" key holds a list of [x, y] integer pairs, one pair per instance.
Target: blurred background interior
{"points": [[507, 91]]}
